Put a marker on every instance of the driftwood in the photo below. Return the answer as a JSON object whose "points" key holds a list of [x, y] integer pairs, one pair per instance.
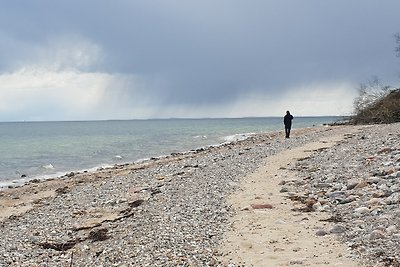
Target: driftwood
{"points": [[95, 235]]}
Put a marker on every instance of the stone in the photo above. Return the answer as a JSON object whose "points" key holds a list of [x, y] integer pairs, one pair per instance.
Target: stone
{"points": [[378, 194], [385, 150], [284, 190], [361, 184], [261, 206], [348, 199], [337, 229], [374, 201], [317, 206], [321, 232], [376, 234], [323, 185], [352, 184], [393, 199], [392, 229], [361, 211], [374, 179]]}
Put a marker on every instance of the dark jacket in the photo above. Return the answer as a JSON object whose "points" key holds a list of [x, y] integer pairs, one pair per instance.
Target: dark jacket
{"points": [[287, 120]]}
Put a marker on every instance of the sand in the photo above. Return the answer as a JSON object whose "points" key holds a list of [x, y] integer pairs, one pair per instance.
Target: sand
{"points": [[279, 236]]}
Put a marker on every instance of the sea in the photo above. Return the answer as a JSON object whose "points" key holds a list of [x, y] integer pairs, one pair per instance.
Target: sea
{"points": [[43, 150]]}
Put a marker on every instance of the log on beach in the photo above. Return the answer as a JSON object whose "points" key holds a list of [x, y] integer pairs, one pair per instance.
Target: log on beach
{"points": [[258, 202]]}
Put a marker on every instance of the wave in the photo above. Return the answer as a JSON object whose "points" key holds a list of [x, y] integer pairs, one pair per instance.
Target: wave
{"points": [[48, 167], [238, 137]]}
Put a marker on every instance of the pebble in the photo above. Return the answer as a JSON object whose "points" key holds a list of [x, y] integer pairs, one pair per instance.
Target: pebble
{"points": [[338, 229], [377, 234], [361, 211], [321, 232]]}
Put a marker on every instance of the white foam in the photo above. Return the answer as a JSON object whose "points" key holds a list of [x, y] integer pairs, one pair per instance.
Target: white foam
{"points": [[200, 137], [48, 167], [238, 137]]}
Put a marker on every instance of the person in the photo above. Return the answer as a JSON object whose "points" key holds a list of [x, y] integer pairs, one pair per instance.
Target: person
{"points": [[287, 120]]}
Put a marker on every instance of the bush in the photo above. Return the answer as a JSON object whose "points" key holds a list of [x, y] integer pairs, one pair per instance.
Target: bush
{"points": [[377, 103], [377, 106]]}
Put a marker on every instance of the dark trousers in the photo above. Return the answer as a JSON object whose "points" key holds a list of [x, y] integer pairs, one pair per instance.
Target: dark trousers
{"points": [[287, 130]]}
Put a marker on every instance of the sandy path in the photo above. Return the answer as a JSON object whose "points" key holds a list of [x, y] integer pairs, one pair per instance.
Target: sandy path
{"points": [[280, 236]]}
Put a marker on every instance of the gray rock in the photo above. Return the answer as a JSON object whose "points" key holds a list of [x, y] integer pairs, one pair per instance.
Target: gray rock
{"points": [[321, 232], [377, 234], [337, 229], [393, 199]]}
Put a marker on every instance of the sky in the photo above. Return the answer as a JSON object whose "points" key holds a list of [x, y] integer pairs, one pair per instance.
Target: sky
{"points": [[132, 59]]}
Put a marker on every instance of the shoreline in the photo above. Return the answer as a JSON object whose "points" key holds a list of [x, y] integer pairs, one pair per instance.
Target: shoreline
{"points": [[175, 211], [230, 139], [31, 187], [25, 180], [25, 167]]}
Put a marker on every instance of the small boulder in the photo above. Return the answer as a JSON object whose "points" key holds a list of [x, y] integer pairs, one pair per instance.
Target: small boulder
{"points": [[261, 206]]}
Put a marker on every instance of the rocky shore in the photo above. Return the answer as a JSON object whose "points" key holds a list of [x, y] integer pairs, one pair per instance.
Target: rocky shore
{"points": [[357, 182], [173, 211]]}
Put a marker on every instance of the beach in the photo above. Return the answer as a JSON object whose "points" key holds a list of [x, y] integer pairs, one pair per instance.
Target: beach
{"points": [[328, 196]]}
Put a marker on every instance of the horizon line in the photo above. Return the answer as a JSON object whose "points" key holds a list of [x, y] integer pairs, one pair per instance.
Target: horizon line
{"points": [[174, 118]]}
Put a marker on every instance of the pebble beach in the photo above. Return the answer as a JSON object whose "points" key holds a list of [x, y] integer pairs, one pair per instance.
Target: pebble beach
{"points": [[175, 210]]}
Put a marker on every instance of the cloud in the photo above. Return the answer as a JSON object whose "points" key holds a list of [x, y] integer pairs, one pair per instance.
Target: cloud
{"points": [[30, 92], [59, 79], [55, 53], [326, 98], [322, 98], [40, 94], [141, 59]]}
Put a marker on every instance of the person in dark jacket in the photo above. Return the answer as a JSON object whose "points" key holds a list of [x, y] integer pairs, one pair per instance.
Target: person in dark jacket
{"points": [[287, 120]]}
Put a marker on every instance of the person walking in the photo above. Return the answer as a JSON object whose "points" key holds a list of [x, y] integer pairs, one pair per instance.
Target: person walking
{"points": [[287, 120]]}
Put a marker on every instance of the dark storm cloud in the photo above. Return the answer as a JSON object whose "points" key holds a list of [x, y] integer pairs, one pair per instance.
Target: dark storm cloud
{"points": [[198, 52]]}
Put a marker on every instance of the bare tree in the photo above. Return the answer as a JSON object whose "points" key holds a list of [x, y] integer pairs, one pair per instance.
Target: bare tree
{"points": [[369, 93], [397, 48], [378, 103]]}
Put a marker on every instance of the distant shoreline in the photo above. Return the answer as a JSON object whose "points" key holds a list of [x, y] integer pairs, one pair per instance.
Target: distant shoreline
{"points": [[158, 119]]}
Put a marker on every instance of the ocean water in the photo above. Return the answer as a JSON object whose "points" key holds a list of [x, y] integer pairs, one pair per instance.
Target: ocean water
{"points": [[51, 149]]}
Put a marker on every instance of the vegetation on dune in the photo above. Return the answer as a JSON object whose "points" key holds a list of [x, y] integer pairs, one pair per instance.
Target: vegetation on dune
{"points": [[377, 106], [378, 103]]}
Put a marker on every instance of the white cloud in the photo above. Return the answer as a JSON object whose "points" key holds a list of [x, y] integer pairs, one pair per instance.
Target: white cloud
{"points": [[308, 100], [322, 99], [66, 92], [55, 83], [38, 94]]}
